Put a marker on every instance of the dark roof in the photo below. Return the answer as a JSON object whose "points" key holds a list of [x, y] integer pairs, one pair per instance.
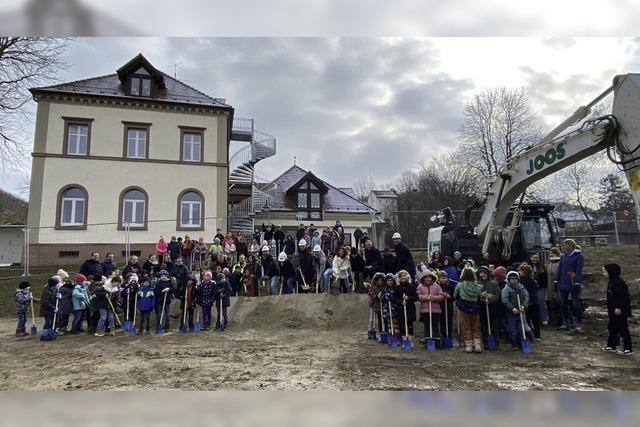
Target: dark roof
{"points": [[135, 64], [384, 193], [322, 186], [110, 86], [335, 200]]}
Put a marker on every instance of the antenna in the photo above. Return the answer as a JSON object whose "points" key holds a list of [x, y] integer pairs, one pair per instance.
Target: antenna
{"points": [[294, 158]]}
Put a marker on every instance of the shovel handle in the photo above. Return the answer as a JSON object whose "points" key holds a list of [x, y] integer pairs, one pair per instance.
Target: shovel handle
{"points": [[488, 317], [33, 314], [113, 309], [406, 326], [524, 336], [164, 301], [382, 316], [135, 308], [391, 319], [430, 322], [184, 314], [446, 317]]}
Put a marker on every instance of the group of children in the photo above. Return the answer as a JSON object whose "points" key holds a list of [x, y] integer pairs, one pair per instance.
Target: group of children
{"points": [[102, 301], [485, 303]]}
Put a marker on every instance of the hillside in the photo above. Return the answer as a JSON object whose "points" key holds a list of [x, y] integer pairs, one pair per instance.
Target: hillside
{"points": [[13, 210]]}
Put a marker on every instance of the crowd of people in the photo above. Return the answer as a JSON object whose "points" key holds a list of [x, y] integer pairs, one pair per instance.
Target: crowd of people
{"points": [[203, 278]]}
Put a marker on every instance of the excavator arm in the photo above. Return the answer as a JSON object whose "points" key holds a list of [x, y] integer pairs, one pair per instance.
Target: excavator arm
{"points": [[618, 133]]}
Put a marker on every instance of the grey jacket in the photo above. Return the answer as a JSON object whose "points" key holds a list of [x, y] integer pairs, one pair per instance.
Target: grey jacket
{"points": [[510, 299]]}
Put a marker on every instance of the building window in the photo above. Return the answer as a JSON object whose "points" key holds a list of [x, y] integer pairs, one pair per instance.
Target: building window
{"points": [[136, 140], [191, 144], [190, 210], [72, 208], [140, 83], [133, 208], [309, 202], [77, 136]]}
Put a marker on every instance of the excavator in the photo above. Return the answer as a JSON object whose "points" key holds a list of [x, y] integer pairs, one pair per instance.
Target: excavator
{"points": [[511, 231]]}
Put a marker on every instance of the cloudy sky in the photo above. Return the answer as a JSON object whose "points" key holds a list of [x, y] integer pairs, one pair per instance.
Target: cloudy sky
{"points": [[345, 106]]}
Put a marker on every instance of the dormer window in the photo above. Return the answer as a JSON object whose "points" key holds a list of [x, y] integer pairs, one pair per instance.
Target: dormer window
{"points": [[140, 83]]}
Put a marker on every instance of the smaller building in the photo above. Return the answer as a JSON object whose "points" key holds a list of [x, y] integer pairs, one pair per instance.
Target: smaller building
{"points": [[300, 197]]}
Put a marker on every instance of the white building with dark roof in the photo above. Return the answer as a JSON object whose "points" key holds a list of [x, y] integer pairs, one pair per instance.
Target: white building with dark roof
{"points": [[299, 196], [137, 150]]}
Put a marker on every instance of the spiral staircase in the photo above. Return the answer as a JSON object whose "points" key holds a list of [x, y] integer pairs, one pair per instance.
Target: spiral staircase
{"points": [[246, 198]]}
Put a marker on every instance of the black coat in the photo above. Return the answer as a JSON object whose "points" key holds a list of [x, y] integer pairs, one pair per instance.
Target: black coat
{"points": [[268, 234], [617, 292], [389, 264], [181, 273], [150, 268], [131, 268], [101, 301], [300, 232], [48, 301], [91, 267], [373, 259], [66, 305], [405, 260], [410, 290], [269, 267], [532, 287], [306, 265], [108, 267], [279, 235], [174, 249], [357, 263], [289, 246]]}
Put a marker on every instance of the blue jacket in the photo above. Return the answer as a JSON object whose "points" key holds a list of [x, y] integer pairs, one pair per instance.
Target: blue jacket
{"points": [[452, 274], [108, 267], [146, 298], [569, 271], [79, 297]]}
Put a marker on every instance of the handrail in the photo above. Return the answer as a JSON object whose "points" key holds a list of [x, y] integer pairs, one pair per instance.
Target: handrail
{"points": [[242, 124]]}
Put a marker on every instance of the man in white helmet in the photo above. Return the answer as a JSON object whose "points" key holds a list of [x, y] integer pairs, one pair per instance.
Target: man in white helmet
{"points": [[305, 264], [319, 267], [404, 256], [269, 270]]}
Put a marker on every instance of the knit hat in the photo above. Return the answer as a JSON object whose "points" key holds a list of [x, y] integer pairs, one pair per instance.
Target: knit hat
{"points": [[513, 274], [208, 274], [389, 276], [163, 273], [220, 277], [133, 278], [62, 274], [500, 273], [427, 273], [53, 281], [282, 257], [79, 278], [24, 285], [484, 269]]}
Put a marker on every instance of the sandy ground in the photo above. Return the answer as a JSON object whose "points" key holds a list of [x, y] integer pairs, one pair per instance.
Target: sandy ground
{"points": [[306, 342]]}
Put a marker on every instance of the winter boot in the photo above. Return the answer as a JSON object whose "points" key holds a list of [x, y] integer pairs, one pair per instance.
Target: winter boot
{"points": [[468, 346], [20, 332], [477, 346]]}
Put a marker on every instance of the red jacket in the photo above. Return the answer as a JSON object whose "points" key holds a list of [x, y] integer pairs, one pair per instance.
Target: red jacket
{"points": [[436, 297]]}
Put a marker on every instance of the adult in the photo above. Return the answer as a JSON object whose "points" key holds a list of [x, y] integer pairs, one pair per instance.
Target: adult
{"points": [[108, 265], [180, 272], [326, 240], [319, 266], [92, 266], [289, 245], [241, 246], [357, 234], [389, 261], [133, 266], [279, 237], [305, 263], [357, 268], [568, 279], [151, 265], [540, 276], [437, 261], [372, 260], [174, 249], [341, 266], [337, 225], [236, 274], [300, 232], [219, 235], [269, 271], [161, 248], [286, 271], [404, 257], [268, 232], [186, 250]]}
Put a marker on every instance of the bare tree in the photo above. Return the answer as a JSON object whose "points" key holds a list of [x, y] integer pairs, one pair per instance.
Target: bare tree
{"points": [[498, 123], [24, 63], [363, 186], [579, 181]]}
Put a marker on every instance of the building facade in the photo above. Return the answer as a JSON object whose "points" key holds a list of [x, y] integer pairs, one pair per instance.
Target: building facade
{"points": [[132, 155]]}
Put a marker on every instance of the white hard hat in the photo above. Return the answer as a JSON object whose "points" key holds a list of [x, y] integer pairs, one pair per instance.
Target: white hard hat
{"points": [[265, 248], [282, 257], [302, 243], [396, 235], [317, 248]]}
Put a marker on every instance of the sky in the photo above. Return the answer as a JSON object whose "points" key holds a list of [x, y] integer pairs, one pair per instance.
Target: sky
{"points": [[348, 107]]}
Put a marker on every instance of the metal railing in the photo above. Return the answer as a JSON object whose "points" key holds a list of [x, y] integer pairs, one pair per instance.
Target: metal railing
{"points": [[241, 124]]}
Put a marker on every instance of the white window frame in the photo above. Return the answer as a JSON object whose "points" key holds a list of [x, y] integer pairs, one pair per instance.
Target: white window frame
{"points": [[74, 138], [74, 205], [141, 144], [134, 206], [192, 218], [189, 144]]}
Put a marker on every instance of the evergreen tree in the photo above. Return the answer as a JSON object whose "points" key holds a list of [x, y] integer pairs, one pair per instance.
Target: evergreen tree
{"points": [[614, 194]]}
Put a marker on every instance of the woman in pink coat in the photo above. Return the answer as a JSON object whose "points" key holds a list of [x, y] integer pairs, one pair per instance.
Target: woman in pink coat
{"points": [[161, 248], [430, 295]]}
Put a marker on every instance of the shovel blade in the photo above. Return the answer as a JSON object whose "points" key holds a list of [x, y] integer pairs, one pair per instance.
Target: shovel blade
{"points": [[132, 331], [384, 338], [34, 330], [183, 328], [197, 327], [406, 344], [491, 342], [373, 336], [159, 330], [526, 346], [393, 341], [431, 345], [447, 343]]}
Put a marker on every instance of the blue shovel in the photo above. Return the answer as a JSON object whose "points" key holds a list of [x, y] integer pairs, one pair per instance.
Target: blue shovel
{"points": [[160, 328], [132, 325], [384, 336], [526, 345], [446, 341], [491, 341], [406, 342], [431, 343], [183, 325], [34, 329], [127, 323], [197, 327], [393, 340]]}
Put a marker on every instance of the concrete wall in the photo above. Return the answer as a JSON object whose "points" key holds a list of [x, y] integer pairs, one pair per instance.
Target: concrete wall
{"points": [[11, 245]]}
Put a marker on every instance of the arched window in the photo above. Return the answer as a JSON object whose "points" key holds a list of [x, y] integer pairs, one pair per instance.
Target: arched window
{"points": [[190, 210], [133, 208], [72, 207]]}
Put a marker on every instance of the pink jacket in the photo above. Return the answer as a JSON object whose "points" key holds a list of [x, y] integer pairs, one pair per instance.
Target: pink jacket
{"points": [[161, 247], [436, 297]]}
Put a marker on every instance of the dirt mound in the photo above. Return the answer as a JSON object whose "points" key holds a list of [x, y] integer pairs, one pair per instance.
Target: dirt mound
{"points": [[302, 311]]}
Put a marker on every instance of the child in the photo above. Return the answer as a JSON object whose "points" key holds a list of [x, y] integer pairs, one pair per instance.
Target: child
{"points": [[492, 299], [510, 294], [406, 296], [389, 311], [249, 283], [22, 299], [619, 310], [65, 306], [106, 314], [533, 310], [146, 304], [467, 295], [204, 296], [430, 296], [80, 301], [164, 294], [48, 303], [129, 293], [221, 293], [186, 294], [377, 284], [447, 293]]}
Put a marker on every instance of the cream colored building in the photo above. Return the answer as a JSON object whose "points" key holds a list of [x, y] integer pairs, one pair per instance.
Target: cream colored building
{"points": [[136, 149]]}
